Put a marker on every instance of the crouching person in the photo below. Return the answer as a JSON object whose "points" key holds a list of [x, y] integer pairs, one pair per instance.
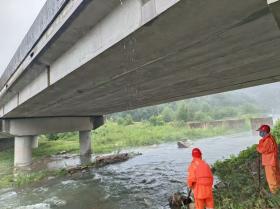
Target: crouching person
{"points": [[200, 180]]}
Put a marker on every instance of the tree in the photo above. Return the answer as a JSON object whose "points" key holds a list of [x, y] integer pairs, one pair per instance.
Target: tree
{"points": [[182, 112], [167, 114]]}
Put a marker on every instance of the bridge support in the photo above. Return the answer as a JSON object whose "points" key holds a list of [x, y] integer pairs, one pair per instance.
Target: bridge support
{"points": [[85, 142], [26, 131], [23, 151], [35, 142]]}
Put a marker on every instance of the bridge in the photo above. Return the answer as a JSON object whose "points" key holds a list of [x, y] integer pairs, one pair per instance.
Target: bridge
{"points": [[84, 59]]}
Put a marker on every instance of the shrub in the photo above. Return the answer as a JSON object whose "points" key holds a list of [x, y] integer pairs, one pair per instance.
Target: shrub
{"points": [[156, 120]]}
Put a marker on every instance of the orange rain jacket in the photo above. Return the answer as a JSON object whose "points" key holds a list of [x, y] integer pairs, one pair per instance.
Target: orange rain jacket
{"points": [[200, 179], [269, 149]]}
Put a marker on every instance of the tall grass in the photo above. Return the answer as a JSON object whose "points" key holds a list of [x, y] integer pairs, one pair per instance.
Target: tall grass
{"points": [[239, 187], [113, 136]]}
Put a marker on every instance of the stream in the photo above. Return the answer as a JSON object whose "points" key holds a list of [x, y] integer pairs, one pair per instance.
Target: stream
{"points": [[145, 181]]}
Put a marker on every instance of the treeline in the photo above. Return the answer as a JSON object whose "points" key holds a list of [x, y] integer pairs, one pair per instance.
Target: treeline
{"points": [[213, 107]]}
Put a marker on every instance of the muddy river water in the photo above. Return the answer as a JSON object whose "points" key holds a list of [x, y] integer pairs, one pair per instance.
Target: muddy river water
{"points": [[145, 181]]}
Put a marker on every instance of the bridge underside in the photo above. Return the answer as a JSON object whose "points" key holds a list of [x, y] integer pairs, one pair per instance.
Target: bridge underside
{"points": [[195, 48], [120, 55]]}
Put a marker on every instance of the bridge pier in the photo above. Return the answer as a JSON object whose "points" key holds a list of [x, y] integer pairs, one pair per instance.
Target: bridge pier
{"points": [[35, 142], [23, 151], [85, 143], [26, 131]]}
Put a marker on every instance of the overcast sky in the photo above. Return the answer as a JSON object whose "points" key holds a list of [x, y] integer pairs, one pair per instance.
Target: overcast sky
{"points": [[16, 17]]}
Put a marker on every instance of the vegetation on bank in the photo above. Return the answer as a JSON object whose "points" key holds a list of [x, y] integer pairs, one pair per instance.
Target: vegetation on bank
{"points": [[239, 186], [207, 108]]}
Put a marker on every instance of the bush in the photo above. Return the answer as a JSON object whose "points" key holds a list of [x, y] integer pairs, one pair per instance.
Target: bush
{"points": [[127, 120], [276, 131], [61, 136], [167, 114], [156, 120], [182, 113], [222, 113], [52, 137], [239, 182], [201, 117]]}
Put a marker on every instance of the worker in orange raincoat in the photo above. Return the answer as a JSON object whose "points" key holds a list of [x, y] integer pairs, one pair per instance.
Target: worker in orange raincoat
{"points": [[268, 148], [200, 180]]}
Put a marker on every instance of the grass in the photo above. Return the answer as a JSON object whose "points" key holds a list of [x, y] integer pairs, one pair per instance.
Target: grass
{"points": [[110, 137], [239, 186], [239, 183]]}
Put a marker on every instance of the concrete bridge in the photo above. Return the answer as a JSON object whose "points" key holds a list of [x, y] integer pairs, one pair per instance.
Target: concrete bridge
{"points": [[83, 59]]}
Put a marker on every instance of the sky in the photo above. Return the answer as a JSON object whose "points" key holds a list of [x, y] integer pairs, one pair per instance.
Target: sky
{"points": [[16, 17]]}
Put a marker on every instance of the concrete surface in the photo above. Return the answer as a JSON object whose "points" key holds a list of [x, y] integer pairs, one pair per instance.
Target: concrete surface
{"points": [[37, 126], [35, 142], [23, 151], [85, 142], [119, 55], [42, 22]]}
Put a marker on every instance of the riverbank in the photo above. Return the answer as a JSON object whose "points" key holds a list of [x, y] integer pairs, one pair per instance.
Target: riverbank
{"points": [[145, 181], [109, 138], [239, 185]]}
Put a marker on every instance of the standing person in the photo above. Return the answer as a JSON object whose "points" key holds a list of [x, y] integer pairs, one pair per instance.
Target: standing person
{"points": [[200, 180], [268, 148]]}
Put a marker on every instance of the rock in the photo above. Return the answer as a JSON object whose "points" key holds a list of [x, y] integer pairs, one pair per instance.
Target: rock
{"points": [[55, 202], [178, 200], [176, 181], [62, 152], [51, 177], [191, 206], [219, 185], [149, 181], [182, 144]]}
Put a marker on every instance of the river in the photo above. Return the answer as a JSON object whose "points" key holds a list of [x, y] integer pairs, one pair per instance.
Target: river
{"points": [[145, 181]]}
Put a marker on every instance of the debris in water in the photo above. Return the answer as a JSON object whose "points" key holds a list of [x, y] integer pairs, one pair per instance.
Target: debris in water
{"points": [[61, 153], [110, 159], [180, 200], [101, 161], [183, 144]]}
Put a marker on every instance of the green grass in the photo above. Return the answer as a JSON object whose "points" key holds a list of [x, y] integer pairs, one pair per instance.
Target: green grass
{"points": [[110, 137], [240, 183]]}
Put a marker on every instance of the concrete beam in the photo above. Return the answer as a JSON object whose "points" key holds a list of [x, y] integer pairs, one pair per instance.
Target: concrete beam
{"points": [[97, 121], [43, 21], [23, 151], [274, 6], [124, 61], [37, 126]]}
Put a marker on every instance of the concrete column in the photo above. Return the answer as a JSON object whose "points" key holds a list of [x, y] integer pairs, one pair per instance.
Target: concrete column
{"points": [[23, 151], [85, 142], [35, 142]]}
